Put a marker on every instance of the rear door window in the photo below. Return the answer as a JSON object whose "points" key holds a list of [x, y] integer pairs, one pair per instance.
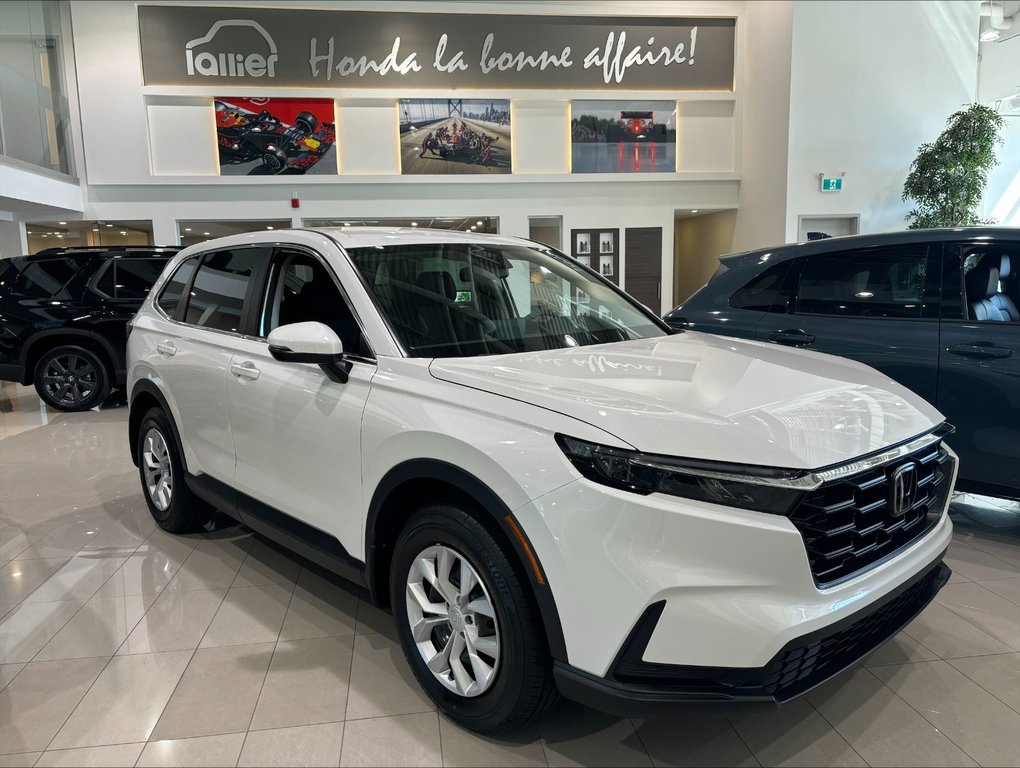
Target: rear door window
{"points": [[47, 279], [135, 277], [218, 293], [879, 282], [170, 299]]}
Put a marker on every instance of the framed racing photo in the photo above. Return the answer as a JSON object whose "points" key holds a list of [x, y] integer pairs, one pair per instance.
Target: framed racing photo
{"points": [[276, 137], [459, 136], [623, 136]]}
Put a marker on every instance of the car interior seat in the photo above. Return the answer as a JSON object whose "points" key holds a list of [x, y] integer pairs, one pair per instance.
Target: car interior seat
{"points": [[1002, 300], [319, 300], [982, 284]]}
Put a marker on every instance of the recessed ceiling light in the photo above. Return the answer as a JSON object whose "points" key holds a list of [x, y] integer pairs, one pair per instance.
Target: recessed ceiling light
{"points": [[123, 232], [694, 210], [414, 223], [472, 226], [347, 223], [206, 234], [28, 233], [268, 227], [109, 225], [45, 235], [61, 223], [479, 223], [187, 229], [60, 236]]}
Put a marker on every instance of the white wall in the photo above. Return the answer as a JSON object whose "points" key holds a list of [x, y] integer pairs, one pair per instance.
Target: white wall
{"points": [[156, 176], [871, 81], [999, 78]]}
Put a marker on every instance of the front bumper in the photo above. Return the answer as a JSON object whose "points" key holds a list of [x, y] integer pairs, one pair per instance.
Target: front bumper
{"points": [[635, 688]]}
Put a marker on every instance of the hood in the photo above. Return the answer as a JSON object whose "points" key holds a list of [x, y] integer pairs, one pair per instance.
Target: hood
{"points": [[711, 397]]}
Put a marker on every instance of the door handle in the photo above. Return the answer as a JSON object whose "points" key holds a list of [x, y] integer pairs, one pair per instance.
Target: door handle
{"points": [[792, 337], [983, 350], [245, 370], [166, 348]]}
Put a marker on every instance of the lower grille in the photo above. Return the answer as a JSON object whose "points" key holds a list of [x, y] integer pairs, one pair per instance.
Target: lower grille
{"points": [[850, 524], [798, 669]]}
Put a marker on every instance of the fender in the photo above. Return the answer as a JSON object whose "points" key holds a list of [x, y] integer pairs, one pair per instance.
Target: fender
{"points": [[488, 501], [148, 387], [116, 358]]}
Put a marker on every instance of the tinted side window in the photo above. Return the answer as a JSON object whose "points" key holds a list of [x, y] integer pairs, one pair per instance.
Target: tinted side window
{"points": [[47, 279], [135, 277], [170, 298], [762, 292], [882, 282], [217, 295], [302, 290]]}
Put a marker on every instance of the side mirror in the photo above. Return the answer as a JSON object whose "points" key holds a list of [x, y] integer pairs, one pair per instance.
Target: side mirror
{"points": [[310, 343]]}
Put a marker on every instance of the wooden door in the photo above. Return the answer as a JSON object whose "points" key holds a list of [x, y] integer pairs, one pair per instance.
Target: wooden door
{"points": [[643, 278]]}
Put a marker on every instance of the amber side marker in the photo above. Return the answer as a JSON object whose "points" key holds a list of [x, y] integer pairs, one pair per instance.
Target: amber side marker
{"points": [[527, 548]]}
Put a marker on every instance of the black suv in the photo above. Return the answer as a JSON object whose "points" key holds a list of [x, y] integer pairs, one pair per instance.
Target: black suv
{"points": [[935, 309], [63, 318]]}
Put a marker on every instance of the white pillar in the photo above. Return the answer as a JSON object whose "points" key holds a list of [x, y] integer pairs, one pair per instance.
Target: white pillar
{"points": [[13, 239], [165, 232]]}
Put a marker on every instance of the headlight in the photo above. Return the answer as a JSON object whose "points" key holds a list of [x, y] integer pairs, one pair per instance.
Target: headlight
{"points": [[764, 489]]}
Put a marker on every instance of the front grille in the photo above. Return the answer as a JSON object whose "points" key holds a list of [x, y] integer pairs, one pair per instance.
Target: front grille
{"points": [[848, 524], [798, 669]]}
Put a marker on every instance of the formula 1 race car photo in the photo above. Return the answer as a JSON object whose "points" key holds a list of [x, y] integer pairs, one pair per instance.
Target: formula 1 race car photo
{"points": [[261, 143]]}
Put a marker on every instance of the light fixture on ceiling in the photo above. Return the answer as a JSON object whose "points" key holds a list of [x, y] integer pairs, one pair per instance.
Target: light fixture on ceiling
{"points": [[62, 223], [268, 226], [109, 225], [989, 36], [479, 223], [187, 229], [472, 227], [206, 234], [694, 210], [414, 223], [347, 223], [123, 232], [28, 233]]}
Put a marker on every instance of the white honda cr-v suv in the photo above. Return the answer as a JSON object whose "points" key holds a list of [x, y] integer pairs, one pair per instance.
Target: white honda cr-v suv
{"points": [[550, 490]]}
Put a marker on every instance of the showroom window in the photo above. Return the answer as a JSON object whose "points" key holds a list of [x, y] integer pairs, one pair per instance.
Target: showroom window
{"points": [[477, 224], [35, 122], [198, 231], [217, 296], [876, 283], [86, 234]]}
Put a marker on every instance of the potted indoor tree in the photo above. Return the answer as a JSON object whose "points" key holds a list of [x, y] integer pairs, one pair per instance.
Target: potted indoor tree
{"points": [[947, 178]]}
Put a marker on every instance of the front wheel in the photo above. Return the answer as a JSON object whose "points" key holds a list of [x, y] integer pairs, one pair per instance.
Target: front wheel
{"points": [[72, 378], [468, 630]]}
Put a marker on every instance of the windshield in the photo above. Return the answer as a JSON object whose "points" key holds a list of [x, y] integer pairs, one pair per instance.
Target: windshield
{"points": [[463, 299]]}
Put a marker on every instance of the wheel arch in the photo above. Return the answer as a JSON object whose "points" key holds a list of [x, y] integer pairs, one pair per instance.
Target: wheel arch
{"points": [[146, 395], [42, 342], [414, 482]]}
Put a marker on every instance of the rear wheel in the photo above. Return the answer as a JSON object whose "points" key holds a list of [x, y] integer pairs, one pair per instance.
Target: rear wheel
{"points": [[172, 504], [72, 378], [467, 628]]}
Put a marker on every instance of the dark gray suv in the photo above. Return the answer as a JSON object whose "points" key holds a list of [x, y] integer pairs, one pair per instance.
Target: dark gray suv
{"points": [[934, 309]]}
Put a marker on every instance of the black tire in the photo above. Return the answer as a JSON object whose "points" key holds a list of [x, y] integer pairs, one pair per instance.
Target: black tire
{"points": [[72, 378], [185, 512], [306, 122], [275, 159], [523, 687]]}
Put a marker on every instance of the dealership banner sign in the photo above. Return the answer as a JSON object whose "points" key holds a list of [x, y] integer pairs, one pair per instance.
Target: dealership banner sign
{"points": [[235, 45]]}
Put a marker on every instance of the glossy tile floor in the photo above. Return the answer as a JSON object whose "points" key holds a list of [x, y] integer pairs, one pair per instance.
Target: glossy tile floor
{"points": [[122, 645]]}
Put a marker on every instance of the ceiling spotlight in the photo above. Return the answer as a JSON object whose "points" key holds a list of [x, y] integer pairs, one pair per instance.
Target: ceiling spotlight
{"points": [[60, 236], [62, 223], [479, 223], [187, 229], [989, 35], [28, 233], [472, 226], [694, 210], [123, 232], [414, 223], [206, 234], [45, 235], [109, 225], [268, 227], [347, 223]]}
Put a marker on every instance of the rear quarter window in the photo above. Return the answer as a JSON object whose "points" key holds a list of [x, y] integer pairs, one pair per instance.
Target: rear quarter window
{"points": [[761, 293], [46, 279], [170, 297]]}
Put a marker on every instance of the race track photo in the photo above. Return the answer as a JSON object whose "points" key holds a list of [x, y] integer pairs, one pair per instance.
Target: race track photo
{"points": [[474, 139]]}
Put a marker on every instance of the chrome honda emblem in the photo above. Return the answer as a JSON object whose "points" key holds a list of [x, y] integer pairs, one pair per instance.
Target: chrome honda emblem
{"points": [[903, 492]]}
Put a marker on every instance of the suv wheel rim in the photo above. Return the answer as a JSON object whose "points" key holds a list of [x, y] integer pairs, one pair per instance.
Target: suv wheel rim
{"points": [[159, 475], [453, 621], [70, 379]]}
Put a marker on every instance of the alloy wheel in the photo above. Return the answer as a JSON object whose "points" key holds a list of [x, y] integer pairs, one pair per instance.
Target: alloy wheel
{"points": [[70, 379], [453, 621], [159, 476]]}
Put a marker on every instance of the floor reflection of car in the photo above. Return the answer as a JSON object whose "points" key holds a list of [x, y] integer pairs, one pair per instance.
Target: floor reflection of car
{"points": [[934, 309]]}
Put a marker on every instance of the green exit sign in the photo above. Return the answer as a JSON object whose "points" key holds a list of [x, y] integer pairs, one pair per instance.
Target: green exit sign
{"points": [[832, 185]]}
